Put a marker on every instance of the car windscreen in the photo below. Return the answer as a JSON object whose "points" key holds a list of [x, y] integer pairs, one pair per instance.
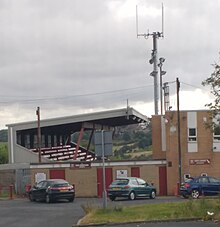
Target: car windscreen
{"points": [[120, 182]]}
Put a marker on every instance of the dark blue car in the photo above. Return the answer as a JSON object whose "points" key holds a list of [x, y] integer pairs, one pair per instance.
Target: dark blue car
{"points": [[203, 185]]}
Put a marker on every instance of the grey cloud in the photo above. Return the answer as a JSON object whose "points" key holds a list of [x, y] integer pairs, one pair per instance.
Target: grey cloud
{"points": [[56, 53]]}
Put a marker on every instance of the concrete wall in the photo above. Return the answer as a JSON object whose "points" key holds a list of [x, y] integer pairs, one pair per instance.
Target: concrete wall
{"points": [[22, 155]]}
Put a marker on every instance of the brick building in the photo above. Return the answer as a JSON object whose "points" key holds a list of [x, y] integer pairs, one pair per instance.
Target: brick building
{"points": [[195, 151]]}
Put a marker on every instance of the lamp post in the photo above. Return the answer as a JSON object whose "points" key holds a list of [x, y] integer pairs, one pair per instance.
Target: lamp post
{"points": [[160, 65]]}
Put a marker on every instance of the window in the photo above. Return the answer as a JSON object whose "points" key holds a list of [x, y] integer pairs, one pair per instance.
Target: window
{"points": [[213, 180], [120, 182], [41, 184], [203, 180], [216, 133], [140, 181], [216, 128], [134, 182], [192, 134], [186, 176]]}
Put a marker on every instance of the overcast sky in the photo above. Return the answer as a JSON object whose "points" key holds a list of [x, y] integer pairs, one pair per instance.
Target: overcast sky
{"points": [[76, 56]]}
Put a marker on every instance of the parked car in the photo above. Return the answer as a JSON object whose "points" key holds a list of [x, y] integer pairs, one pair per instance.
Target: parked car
{"points": [[203, 185], [131, 187], [52, 190]]}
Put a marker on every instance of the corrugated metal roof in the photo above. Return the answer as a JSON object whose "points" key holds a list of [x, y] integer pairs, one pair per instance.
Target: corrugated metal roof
{"points": [[110, 118]]}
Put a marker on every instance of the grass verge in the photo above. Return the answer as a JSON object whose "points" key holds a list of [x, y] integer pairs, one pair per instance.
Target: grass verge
{"points": [[201, 208]]}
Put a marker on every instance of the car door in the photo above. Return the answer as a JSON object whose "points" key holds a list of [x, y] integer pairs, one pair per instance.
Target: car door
{"points": [[204, 185], [39, 191], [214, 185], [144, 189], [135, 186]]}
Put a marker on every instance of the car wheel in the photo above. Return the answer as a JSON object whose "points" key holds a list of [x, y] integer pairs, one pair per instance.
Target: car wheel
{"points": [[153, 195], [185, 196], [112, 198], [195, 194], [31, 197], [132, 196], [71, 200], [48, 199]]}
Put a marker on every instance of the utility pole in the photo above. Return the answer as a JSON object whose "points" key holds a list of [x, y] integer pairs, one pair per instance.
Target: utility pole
{"points": [[178, 126], [103, 173], [38, 134]]}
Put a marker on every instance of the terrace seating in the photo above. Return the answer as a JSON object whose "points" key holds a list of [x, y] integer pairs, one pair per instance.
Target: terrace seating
{"points": [[66, 152]]}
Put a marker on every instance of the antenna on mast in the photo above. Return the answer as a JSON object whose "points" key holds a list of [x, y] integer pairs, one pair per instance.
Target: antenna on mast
{"points": [[162, 22], [137, 32], [137, 21], [154, 58]]}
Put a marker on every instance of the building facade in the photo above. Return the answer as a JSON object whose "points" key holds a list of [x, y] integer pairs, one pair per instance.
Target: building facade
{"points": [[192, 150]]}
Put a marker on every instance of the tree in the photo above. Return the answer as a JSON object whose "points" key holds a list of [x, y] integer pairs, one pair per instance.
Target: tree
{"points": [[126, 136], [3, 154], [3, 135], [214, 82]]}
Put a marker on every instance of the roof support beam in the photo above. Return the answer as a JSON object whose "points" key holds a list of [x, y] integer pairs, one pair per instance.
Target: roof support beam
{"points": [[78, 143]]}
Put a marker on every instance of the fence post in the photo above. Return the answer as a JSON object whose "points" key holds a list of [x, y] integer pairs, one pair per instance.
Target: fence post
{"points": [[11, 191]]}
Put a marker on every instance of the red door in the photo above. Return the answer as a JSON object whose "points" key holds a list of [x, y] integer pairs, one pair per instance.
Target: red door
{"points": [[135, 171], [57, 174], [163, 180], [108, 180]]}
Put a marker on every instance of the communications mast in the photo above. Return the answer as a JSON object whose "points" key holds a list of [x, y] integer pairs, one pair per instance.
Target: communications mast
{"points": [[154, 57]]}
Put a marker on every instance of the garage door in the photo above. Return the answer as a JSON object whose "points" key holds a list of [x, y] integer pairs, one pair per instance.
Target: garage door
{"points": [[163, 180], [108, 180], [135, 171], [57, 174]]}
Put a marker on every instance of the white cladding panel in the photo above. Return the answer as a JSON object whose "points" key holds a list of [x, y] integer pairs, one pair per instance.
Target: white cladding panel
{"points": [[192, 123], [192, 147], [163, 134], [191, 120]]}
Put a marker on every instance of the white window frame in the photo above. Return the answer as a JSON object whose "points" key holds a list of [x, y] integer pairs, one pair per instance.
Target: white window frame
{"points": [[216, 137], [216, 121], [192, 138], [186, 176]]}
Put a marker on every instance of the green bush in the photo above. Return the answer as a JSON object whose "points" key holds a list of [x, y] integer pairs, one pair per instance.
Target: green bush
{"points": [[3, 153]]}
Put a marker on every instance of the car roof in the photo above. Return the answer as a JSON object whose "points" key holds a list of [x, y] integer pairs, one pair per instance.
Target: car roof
{"points": [[198, 177], [57, 180], [128, 178]]}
